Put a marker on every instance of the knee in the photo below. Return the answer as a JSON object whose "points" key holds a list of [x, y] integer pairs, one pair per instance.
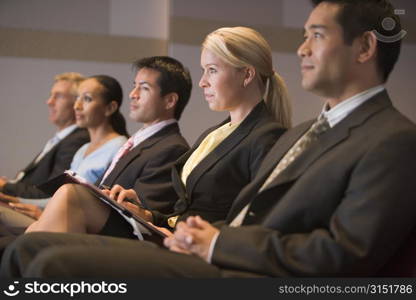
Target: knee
{"points": [[67, 193], [45, 264], [19, 252], [54, 262]]}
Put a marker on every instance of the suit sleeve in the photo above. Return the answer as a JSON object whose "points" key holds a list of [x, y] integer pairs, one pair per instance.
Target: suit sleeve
{"points": [[374, 217], [62, 162], [154, 186]]}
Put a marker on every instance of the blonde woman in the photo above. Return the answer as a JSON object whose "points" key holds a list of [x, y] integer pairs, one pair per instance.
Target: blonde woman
{"points": [[238, 77]]}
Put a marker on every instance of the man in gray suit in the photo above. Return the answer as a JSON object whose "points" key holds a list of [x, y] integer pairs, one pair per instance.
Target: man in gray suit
{"points": [[57, 154], [321, 202]]}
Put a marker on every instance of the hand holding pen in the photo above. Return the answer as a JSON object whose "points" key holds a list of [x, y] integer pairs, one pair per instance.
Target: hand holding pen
{"points": [[129, 199]]}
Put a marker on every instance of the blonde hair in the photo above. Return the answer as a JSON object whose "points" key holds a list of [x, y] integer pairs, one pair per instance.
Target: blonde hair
{"points": [[243, 47], [72, 77]]}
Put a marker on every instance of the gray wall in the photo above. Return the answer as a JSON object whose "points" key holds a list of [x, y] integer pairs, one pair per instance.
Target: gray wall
{"points": [[40, 38]]}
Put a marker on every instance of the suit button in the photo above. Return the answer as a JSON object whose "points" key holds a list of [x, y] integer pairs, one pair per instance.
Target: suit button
{"points": [[172, 221], [251, 214]]}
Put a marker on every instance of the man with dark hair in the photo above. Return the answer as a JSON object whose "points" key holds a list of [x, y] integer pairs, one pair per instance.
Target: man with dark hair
{"points": [[356, 17], [321, 200], [172, 78], [144, 162]]}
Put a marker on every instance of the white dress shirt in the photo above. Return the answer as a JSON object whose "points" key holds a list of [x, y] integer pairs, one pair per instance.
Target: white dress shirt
{"points": [[334, 116]]}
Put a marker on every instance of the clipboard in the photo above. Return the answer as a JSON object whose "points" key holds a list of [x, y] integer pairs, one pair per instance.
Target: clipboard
{"points": [[142, 226]]}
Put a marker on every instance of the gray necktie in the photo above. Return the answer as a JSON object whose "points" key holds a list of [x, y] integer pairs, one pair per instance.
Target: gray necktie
{"points": [[317, 128]]}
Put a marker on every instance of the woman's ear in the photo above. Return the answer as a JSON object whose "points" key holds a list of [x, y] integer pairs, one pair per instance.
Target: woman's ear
{"points": [[111, 108], [249, 75], [170, 100], [367, 47]]}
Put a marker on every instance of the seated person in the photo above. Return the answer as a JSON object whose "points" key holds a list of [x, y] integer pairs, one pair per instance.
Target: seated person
{"points": [[322, 198], [57, 154], [97, 110], [223, 160], [161, 92]]}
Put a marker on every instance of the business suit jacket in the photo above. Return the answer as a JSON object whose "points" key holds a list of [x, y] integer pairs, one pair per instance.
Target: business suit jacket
{"points": [[215, 182], [147, 168], [343, 208], [56, 161]]}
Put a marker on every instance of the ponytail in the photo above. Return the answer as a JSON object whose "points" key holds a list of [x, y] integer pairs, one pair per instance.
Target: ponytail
{"points": [[118, 122], [277, 100]]}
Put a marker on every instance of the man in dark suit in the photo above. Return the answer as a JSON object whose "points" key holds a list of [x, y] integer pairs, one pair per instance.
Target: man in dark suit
{"points": [[321, 202], [57, 154], [162, 87]]}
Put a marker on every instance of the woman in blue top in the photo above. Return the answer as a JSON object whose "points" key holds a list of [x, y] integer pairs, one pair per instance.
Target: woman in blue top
{"points": [[97, 108]]}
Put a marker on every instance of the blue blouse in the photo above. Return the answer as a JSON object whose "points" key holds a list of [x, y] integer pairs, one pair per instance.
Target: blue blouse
{"points": [[93, 166]]}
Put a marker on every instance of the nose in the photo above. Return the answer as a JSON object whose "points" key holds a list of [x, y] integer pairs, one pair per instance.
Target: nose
{"points": [[203, 83], [304, 49], [50, 101], [134, 94], [78, 104]]}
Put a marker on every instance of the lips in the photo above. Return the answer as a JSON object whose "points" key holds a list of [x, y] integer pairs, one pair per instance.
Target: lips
{"points": [[208, 96], [133, 107], [306, 67]]}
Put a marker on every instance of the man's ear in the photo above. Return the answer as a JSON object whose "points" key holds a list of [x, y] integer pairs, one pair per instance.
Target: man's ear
{"points": [[111, 108], [367, 47], [170, 100], [249, 75]]}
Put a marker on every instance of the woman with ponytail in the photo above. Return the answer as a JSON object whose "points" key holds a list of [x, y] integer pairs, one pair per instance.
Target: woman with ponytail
{"points": [[97, 108], [237, 77]]}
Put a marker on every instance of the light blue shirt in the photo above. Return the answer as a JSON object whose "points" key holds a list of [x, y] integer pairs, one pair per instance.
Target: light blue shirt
{"points": [[90, 167], [93, 166]]}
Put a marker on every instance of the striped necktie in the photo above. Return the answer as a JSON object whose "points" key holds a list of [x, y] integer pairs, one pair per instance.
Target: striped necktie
{"points": [[310, 136], [121, 152]]}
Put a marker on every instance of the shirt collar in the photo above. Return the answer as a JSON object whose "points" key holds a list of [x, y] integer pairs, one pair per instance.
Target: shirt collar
{"points": [[144, 133], [65, 132], [342, 110]]}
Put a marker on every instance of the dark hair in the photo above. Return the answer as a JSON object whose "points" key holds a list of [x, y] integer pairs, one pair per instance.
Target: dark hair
{"points": [[358, 16], [173, 78], [112, 91]]}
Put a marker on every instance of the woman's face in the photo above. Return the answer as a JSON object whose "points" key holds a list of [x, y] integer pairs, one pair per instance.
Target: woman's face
{"points": [[221, 82], [90, 109]]}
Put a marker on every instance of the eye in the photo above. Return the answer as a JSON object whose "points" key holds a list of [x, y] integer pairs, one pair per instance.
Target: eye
{"points": [[317, 35], [58, 96], [87, 98], [212, 70]]}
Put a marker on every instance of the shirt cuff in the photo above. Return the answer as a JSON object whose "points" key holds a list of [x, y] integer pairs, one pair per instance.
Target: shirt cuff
{"points": [[39, 202], [212, 246]]}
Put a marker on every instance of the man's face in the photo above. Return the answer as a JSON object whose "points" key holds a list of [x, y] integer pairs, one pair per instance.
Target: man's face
{"points": [[326, 61], [60, 103], [147, 105]]}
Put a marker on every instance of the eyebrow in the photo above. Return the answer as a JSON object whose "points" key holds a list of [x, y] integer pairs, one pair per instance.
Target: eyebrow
{"points": [[317, 26], [209, 65], [145, 82]]}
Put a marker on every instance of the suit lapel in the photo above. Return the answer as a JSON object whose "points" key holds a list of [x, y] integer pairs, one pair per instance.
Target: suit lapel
{"points": [[327, 141], [136, 151], [331, 138], [51, 152], [233, 140], [280, 148]]}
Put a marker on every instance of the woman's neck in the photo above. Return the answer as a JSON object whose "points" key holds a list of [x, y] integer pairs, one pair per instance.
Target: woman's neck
{"points": [[100, 135]]}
